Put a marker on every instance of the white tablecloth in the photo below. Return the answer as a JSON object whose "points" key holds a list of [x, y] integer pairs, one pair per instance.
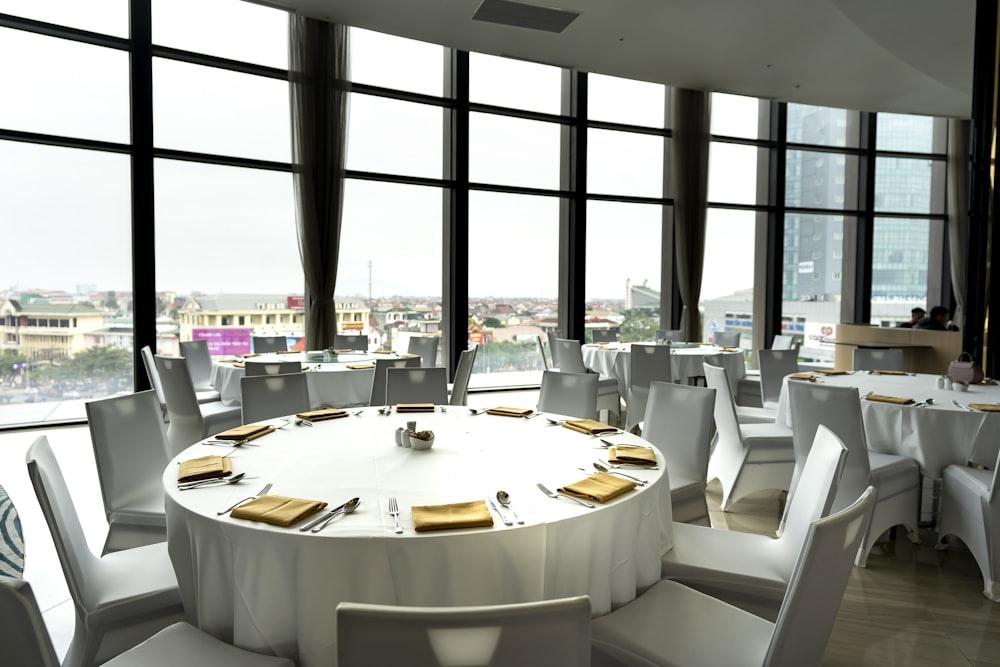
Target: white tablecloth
{"points": [[615, 359], [935, 435], [276, 589]]}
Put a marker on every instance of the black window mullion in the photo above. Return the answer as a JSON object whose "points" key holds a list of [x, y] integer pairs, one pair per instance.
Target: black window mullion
{"points": [[866, 220], [573, 209], [455, 277], [775, 222]]}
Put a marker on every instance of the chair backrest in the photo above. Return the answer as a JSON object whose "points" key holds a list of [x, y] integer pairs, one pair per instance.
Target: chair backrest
{"points": [[130, 447], [670, 335], [269, 396], [553, 349], [272, 367], [730, 338], [541, 353], [648, 364], [816, 588], [570, 394], [154, 376], [460, 389], [726, 423], [569, 352], [23, 634], [351, 342], [783, 342], [378, 396], [774, 366], [551, 633], [265, 344], [605, 335], [679, 423], [11, 539], [178, 388], [416, 385], [426, 347], [877, 359], [199, 361], [986, 452]]}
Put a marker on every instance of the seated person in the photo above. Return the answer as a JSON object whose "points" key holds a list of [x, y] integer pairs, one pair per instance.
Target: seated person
{"points": [[916, 315], [937, 320]]}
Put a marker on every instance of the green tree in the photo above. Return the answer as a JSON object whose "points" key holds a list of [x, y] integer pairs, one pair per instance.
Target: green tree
{"points": [[638, 325], [492, 323], [111, 302]]}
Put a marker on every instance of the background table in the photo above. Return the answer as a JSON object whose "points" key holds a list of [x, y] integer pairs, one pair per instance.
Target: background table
{"points": [[276, 589], [615, 359]]}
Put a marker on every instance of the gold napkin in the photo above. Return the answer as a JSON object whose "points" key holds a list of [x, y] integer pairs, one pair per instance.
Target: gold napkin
{"points": [[802, 376], [590, 426], [509, 412], [287, 352], [320, 415], [360, 367], [889, 373], [204, 467], [985, 407], [599, 487], [730, 348], [474, 514], [250, 354], [342, 350], [825, 372], [245, 432], [889, 399], [643, 456], [414, 407], [277, 510], [408, 356], [383, 352], [239, 364], [228, 360]]}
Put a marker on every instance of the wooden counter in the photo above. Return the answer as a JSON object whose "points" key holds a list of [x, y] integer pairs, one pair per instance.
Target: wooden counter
{"points": [[924, 350]]}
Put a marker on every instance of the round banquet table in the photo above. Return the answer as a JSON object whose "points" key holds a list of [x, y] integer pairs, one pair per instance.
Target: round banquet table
{"points": [[614, 359], [935, 435], [275, 589], [324, 390]]}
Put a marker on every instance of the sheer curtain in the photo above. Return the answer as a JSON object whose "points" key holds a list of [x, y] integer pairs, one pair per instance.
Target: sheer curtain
{"points": [[958, 212], [318, 74], [691, 124]]}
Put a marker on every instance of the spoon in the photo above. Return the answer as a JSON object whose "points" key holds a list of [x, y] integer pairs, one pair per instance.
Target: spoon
{"points": [[604, 468], [554, 422], [336, 509], [204, 482], [348, 507], [504, 499]]}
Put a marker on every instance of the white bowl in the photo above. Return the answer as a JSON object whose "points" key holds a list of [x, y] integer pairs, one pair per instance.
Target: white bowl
{"points": [[959, 386], [418, 443]]}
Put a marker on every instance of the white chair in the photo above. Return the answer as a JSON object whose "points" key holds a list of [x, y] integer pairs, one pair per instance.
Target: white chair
{"points": [[200, 367], [727, 338], [570, 394], [774, 366], [26, 640], [458, 393], [379, 376], [130, 447], [747, 457], [266, 344], [570, 355], [897, 478], [154, 381], [553, 348], [745, 414], [190, 421], [877, 359], [671, 624], [271, 367], [551, 633], [648, 363], [357, 342], [121, 598], [783, 342], [426, 347], [416, 385], [678, 422], [670, 335], [605, 335], [541, 353], [11, 539], [269, 396], [751, 570]]}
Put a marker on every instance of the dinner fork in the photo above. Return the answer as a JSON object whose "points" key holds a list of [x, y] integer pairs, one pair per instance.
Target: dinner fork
{"points": [[551, 494], [267, 487], [394, 513]]}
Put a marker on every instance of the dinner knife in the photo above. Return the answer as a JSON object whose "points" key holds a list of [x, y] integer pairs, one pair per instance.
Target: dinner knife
{"points": [[506, 520], [323, 517]]}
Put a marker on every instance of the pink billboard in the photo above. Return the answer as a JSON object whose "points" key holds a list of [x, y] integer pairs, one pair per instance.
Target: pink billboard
{"points": [[224, 342]]}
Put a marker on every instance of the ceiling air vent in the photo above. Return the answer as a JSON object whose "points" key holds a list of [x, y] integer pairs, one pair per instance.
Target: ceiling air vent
{"points": [[524, 15]]}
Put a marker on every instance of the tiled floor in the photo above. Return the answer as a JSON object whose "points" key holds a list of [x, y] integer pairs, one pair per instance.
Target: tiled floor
{"points": [[912, 605]]}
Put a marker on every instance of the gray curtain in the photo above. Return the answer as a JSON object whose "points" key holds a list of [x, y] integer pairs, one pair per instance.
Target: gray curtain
{"points": [[690, 122], [318, 72], [958, 212]]}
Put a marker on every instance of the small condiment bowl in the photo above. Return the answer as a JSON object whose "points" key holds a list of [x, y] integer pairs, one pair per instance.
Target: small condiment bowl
{"points": [[417, 442]]}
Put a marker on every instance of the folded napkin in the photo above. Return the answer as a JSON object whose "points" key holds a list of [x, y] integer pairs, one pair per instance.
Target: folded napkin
{"points": [[320, 415], [287, 352], [730, 348], [985, 407], [802, 376], [889, 373], [342, 350], [825, 372], [456, 515], [414, 407], [590, 426], [383, 352], [509, 412], [204, 467], [889, 399], [245, 432], [239, 364], [360, 367], [250, 354], [599, 487], [228, 360], [407, 355], [643, 456], [277, 510]]}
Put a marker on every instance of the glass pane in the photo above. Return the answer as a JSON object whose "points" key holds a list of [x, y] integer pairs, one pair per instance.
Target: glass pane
{"points": [[811, 285], [505, 82], [522, 296], [231, 29], [903, 132], [616, 100], [819, 180], [736, 116], [55, 86], [105, 16], [900, 260], [394, 137], [624, 163], [909, 186], [733, 173], [513, 151], [624, 295], [821, 126], [66, 319], [395, 62], [209, 110], [727, 281]]}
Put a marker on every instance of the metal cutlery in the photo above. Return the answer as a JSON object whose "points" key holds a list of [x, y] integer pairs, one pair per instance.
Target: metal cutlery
{"points": [[336, 509], [506, 519], [640, 466], [197, 484], [303, 422], [554, 422], [605, 469], [474, 412], [552, 494], [504, 499], [347, 508], [964, 407], [394, 513], [267, 487]]}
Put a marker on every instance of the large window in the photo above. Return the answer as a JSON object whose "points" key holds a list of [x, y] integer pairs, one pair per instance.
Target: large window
{"points": [[395, 137], [727, 283]]}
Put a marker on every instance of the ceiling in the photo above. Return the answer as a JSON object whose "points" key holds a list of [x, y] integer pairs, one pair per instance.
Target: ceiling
{"points": [[906, 56]]}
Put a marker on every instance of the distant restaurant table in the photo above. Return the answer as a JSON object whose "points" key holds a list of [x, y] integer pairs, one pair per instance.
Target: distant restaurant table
{"points": [[614, 359], [341, 391], [276, 589]]}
